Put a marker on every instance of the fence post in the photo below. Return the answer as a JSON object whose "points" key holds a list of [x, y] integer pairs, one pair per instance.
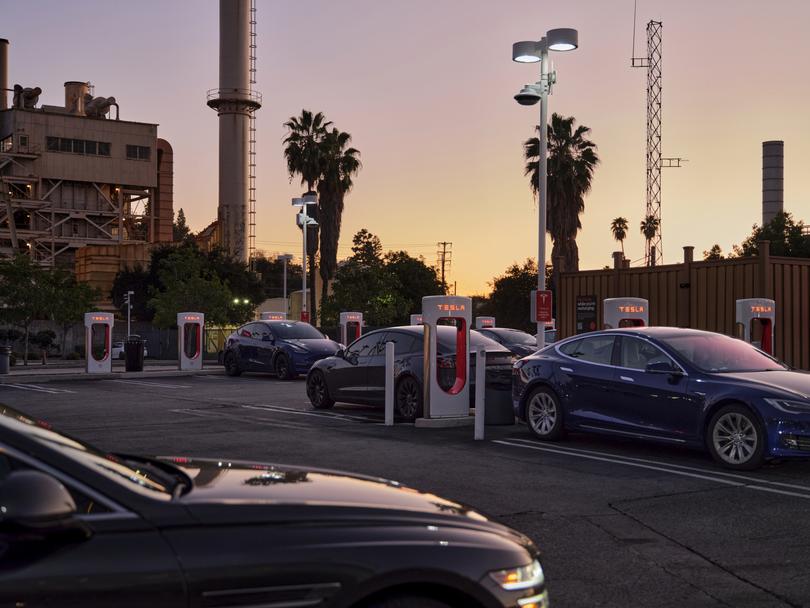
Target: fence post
{"points": [[480, 392], [389, 384]]}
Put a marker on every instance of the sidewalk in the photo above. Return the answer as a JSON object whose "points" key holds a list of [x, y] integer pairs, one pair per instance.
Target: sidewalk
{"points": [[64, 373]]}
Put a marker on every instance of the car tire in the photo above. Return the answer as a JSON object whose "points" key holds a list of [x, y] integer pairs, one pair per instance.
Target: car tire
{"points": [[544, 415], [283, 368], [408, 399], [232, 365], [407, 601], [318, 392], [735, 438]]}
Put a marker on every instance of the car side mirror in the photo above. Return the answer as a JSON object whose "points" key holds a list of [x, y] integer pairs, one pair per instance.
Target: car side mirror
{"points": [[35, 505], [340, 353], [663, 367]]}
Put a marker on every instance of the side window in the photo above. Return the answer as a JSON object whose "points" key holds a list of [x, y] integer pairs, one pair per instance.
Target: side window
{"points": [[364, 346], [257, 330], [403, 343], [84, 504], [597, 349], [244, 331], [638, 354]]}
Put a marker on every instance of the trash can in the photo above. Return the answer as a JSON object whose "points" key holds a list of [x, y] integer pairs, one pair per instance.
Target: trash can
{"points": [[133, 354], [5, 356], [498, 407]]}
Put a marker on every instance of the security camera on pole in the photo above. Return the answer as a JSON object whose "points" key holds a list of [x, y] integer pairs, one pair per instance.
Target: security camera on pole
{"points": [[304, 221], [530, 51]]}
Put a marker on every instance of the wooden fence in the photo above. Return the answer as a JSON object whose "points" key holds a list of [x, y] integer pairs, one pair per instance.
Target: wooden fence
{"points": [[702, 295]]}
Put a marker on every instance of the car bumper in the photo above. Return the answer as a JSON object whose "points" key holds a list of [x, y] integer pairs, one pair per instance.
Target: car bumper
{"points": [[789, 439], [302, 363]]}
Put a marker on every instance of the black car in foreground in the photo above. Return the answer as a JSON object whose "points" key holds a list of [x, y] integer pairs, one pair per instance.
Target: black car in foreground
{"points": [[82, 528], [672, 385], [357, 374]]}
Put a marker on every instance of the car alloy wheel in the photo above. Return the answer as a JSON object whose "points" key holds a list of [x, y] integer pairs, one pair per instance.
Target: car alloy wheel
{"points": [[283, 370], [735, 438], [544, 415], [408, 399], [231, 366], [317, 391]]}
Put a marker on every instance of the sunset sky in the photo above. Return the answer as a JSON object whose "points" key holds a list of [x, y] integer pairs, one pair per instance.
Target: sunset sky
{"points": [[425, 87]]}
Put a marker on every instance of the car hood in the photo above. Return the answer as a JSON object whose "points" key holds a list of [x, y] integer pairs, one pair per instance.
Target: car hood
{"points": [[797, 383], [220, 487], [316, 346]]}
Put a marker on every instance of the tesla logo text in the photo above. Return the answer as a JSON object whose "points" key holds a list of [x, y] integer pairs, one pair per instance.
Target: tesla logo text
{"points": [[353, 317], [451, 307], [631, 309], [762, 309]]}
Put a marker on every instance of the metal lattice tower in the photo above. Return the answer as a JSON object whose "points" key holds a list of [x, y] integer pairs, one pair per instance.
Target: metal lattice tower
{"points": [[252, 144], [444, 259]]}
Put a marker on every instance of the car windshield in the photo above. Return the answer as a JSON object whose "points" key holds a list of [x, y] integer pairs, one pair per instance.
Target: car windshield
{"points": [[139, 476], [291, 330], [721, 354], [447, 340]]}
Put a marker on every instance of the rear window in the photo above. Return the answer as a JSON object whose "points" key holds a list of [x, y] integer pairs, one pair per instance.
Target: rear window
{"points": [[293, 330], [447, 340]]}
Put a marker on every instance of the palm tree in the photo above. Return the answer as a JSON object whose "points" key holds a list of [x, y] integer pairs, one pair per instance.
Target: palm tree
{"points": [[339, 164], [572, 159], [303, 153], [649, 228], [619, 229]]}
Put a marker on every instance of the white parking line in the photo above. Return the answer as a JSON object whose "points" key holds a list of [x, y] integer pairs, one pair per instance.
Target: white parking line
{"points": [[237, 418], [155, 384], [38, 389], [335, 415], [659, 466]]}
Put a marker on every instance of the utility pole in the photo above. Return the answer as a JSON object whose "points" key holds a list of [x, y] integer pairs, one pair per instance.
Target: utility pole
{"points": [[444, 259], [128, 301]]}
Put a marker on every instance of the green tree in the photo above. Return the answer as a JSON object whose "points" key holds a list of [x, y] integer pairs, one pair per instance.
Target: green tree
{"points": [[649, 228], [271, 276], [572, 160], [619, 227], [69, 300], [715, 253], [180, 230], [304, 156], [339, 164], [139, 281], [415, 279], [511, 296], [788, 237], [23, 294]]}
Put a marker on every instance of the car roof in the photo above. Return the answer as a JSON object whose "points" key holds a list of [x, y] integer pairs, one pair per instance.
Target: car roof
{"points": [[653, 332]]}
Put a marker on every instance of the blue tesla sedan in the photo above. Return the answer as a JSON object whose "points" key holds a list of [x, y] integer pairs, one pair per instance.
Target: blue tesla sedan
{"points": [[286, 348], [667, 384]]}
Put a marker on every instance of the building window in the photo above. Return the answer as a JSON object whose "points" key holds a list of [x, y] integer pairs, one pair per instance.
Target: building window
{"points": [[138, 152], [77, 146], [23, 141]]}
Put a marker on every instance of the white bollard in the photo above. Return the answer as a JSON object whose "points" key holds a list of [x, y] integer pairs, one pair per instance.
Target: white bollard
{"points": [[480, 391], [389, 384]]}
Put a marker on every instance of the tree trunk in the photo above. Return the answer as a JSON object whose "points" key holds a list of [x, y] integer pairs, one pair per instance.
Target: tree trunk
{"points": [[25, 348]]}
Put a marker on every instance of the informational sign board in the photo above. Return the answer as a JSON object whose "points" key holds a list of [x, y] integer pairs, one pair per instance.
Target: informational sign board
{"points": [[586, 314], [542, 306]]}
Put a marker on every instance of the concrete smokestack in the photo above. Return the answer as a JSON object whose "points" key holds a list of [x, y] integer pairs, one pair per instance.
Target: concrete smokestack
{"points": [[3, 74], [773, 182], [234, 102]]}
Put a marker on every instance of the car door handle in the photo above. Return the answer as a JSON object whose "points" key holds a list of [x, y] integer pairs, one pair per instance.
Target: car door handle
{"points": [[567, 369], [626, 378]]}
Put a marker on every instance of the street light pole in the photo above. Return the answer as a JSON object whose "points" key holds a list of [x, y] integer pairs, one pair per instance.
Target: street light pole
{"points": [[307, 199], [129, 312], [527, 51]]}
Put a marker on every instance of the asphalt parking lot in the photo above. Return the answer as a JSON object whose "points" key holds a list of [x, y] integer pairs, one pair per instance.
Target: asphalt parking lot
{"points": [[619, 523]]}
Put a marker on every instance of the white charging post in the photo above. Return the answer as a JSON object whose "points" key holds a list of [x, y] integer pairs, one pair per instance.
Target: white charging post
{"points": [[351, 326], [95, 322], [416, 319], [273, 316], [451, 397], [484, 322], [756, 322], [480, 392], [190, 327], [625, 312], [389, 384]]}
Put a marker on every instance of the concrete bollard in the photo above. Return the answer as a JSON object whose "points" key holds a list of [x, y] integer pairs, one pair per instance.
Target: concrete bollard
{"points": [[389, 384], [480, 392]]}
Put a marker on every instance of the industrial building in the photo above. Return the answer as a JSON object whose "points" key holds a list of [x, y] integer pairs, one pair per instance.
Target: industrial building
{"points": [[78, 183]]}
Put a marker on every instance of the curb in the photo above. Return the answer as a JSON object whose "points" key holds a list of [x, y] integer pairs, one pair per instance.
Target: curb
{"points": [[80, 376]]}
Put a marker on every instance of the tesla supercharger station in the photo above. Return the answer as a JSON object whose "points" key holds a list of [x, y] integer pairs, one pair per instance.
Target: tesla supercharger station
{"points": [[756, 322], [98, 322], [190, 327], [273, 316], [351, 326], [453, 401], [416, 319], [625, 312], [484, 322]]}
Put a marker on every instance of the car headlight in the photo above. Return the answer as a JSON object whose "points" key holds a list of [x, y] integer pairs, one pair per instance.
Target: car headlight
{"points": [[789, 406], [518, 364], [523, 577]]}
